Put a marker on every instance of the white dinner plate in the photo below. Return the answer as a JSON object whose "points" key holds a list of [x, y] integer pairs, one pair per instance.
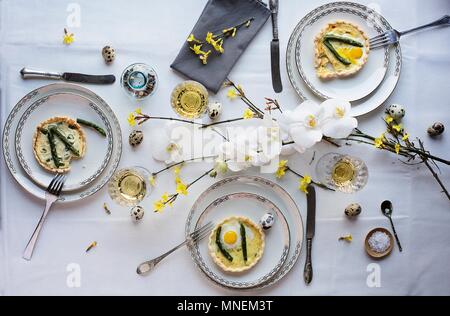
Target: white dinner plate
{"points": [[350, 88], [41, 104], [98, 148], [266, 272], [277, 239], [381, 93]]}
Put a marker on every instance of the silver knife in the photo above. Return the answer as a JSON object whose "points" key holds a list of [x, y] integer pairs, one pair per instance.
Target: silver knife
{"points": [[310, 230], [275, 48], [67, 76]]}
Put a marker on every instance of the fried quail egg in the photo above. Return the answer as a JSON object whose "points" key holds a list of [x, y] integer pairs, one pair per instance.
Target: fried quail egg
{"points": [[230, 235]]}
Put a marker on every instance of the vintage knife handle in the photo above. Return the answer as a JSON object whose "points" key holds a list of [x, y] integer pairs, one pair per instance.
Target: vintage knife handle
{"points": [[37, 74], [308, 271]]}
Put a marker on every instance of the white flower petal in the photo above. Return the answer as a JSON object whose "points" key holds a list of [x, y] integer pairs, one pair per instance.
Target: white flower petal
{"points": [[305, 137], [339, 128]]}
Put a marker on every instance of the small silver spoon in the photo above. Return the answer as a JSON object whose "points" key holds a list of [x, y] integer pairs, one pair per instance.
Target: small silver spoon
{"points": [[386, 209]]}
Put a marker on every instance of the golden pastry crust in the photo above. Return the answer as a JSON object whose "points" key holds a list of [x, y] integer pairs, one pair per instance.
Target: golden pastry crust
{"points": [[220, 260], [37, 134], [324, 59]]}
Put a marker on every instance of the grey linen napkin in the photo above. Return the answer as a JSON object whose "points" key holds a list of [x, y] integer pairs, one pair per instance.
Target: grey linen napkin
{"points": [[218, 15]]}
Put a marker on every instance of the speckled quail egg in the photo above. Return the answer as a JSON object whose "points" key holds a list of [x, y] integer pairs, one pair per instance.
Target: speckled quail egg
{"points": [[214, 110], [267, 221], [396, 111], [109, 54], [135, 138], [436, 129], [353, 210], [137, 213]]}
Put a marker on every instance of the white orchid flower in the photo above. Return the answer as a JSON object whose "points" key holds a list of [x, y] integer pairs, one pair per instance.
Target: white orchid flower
{"points": [[304, 125], [338, 123], [179, 141], [257, 144], [165, 147], [237, 153]]}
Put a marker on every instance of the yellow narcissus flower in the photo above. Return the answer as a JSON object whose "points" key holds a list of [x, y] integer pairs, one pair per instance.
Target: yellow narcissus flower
{"points": [[282, 167], [177, 170], [397, 127], [347, 238], [232, 94], [378, 142], [397, 148], [405, 137], [304, 183], [181, 188], [131, 119], [158, 206], [197, 49], [248, 114], [68, 37], [218, 45], [138, 111], [165, 197], [192, 38], [388, 119], [209, 37], [204, 57]]}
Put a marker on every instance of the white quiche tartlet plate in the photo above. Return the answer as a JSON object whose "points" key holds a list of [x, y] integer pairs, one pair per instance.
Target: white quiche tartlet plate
{"points": [[366, 89], [350, 88], [102, 154]]}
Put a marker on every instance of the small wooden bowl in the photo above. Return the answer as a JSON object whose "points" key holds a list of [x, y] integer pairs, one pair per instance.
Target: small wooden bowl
{"points": [[374, 254]]}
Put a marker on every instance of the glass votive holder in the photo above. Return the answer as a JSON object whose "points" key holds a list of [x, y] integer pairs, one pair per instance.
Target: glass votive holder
{"points": [[139, 81]]}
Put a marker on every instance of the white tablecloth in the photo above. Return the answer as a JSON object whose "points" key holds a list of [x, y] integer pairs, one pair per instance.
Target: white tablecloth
{"points": [[152, 32]]}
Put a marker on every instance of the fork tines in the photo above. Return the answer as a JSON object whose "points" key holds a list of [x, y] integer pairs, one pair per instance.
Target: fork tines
{"points": [[202, 232], [386, 38], [56, 184]]}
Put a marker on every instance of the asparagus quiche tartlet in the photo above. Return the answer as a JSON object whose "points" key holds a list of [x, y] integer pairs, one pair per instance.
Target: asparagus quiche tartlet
{"points": [[341, 50], [56, 142], [236, 244]]}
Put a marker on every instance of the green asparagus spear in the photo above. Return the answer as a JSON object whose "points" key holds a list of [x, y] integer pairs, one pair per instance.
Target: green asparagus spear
{"points": [[51, 140], [343, 60], [342, 39], [244, 242], [63, 138], [219, 245], [93, 125]]}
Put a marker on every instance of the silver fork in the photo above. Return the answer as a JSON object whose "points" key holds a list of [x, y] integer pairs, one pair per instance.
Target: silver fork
{"points": [[51, 196], [195, 236], [393, 36]]}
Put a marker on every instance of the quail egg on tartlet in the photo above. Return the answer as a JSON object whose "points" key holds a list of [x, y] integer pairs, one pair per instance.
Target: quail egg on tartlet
{"points": [[341, 50], [42, 150], [236, 244]]}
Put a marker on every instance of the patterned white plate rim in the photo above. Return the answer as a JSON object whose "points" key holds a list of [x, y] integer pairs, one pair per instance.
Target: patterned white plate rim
{"points": [[296, 228], [280, 217], [13, 164], [19, 151]]}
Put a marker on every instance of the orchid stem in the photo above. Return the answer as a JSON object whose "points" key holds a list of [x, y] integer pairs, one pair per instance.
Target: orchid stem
{"points": [[180, 163]]}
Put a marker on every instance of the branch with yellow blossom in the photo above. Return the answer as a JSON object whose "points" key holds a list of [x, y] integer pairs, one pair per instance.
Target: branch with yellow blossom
{"points": [[140, 118], [400, 144], [181, 188], [305, 180], [215, 40]]}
